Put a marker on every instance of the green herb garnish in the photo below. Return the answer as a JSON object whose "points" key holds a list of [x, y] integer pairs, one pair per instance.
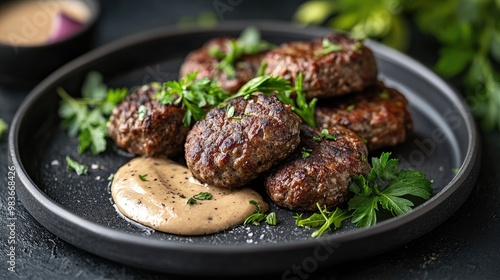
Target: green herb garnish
{"points": [[327, 47], [384, 95], [248, 43], [191, 200], [257, 217], [230, 111], [143, 177], [324, 135], [200, 196], [197, 96], [386, 186], [306, 152], [300, 106], [87, 116], [350, 107], [142, 112], [3, 127], [75, 166], [265, 84], [324, 220]]}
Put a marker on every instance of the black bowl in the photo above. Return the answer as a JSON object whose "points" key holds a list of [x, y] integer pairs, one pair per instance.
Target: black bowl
{"points": [[25, 66]]}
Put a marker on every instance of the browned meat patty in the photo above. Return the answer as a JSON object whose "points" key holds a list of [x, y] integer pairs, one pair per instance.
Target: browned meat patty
{"points": [[324, 176], [229, 151], [379, 115], [353, 68], [157, 131], [200, 60]]}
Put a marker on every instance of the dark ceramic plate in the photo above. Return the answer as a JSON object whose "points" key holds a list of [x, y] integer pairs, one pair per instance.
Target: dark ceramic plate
{"points": [[79, 209]]}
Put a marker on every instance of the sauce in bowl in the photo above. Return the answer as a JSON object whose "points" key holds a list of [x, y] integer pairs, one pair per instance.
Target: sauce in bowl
{"points": [[32, 23]]}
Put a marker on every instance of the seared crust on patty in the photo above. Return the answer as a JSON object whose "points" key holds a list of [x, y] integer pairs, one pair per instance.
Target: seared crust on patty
{"points": [[353, 68], [324, 176], [202, 62], [230, 151], [158, 133], [379, 115]]}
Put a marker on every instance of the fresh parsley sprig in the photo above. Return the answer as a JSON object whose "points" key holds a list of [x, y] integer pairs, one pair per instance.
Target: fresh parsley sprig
{"points": [[299, 105], [257, 217], [87, 116], [324, 220], [265, 84], [248, 43], [388, 187], [197, 96]]}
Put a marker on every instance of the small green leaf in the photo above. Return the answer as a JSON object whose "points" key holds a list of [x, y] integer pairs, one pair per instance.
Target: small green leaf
{"points": [[453, 61], [143, 177], [327, 47], [306, 152], [365, 208], [203, 196], [75, 166], [271, 219], [142, 113]]}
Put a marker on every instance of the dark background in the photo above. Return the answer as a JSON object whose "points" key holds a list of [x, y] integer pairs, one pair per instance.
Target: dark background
{"points": [[467, 246]]}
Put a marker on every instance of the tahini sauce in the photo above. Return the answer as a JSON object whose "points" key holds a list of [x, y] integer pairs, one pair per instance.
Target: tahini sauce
{"points": [[28, 23], [160, 201]]}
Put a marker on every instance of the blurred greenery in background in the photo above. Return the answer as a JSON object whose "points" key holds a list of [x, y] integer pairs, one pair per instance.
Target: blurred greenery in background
{"points": [[467, 30]]}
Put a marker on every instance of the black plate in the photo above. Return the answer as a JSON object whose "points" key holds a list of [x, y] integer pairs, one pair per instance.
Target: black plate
{"points": [[79, 208]]}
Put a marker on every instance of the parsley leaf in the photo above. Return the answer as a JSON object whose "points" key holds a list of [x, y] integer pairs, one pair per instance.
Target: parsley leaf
{"points": [[324, 135], [388, 187], [3, 127], [306, 152], [300, 106], [75, 166], [265, 84], [327, 47], [257, 217], [86, 117], [143, 177], [200, 196], [197, 96], [324, 220], [248, 43]]}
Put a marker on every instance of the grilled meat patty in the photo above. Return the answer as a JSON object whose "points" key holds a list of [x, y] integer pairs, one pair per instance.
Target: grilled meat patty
{"points": [[229, 150], [352, 68], [201, 61], [301, 181], [379, 115], [157, 131]]}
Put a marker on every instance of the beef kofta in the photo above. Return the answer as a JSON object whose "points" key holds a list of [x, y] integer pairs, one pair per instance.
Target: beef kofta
{"points": [[319, 170], [379, 115], [236, 143], [332, 66], [203, 62], [143, 126]]}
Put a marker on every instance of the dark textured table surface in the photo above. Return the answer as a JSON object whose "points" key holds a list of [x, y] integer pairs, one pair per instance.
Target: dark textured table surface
{"points": [[466, 246]]}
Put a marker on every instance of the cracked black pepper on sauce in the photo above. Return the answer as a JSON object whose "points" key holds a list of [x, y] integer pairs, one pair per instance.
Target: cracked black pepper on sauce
{"points": [[159, 199]]}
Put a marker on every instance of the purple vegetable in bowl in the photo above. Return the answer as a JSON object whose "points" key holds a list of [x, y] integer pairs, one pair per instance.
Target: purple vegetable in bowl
{"points": [[64, 26]]}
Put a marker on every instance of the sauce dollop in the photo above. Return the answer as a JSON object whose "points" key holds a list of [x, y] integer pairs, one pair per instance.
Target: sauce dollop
{"points": [[154, 192]]}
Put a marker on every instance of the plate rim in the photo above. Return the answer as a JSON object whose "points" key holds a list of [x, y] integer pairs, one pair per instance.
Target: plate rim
{"points": [[471, 156]]}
